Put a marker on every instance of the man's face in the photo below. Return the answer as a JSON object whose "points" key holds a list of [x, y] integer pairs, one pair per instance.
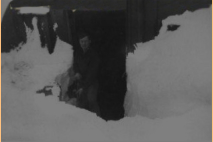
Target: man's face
{"points": [[85, 43]]}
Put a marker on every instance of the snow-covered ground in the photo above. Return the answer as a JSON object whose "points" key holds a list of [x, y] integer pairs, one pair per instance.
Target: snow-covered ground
{"points": [[168, 98]]}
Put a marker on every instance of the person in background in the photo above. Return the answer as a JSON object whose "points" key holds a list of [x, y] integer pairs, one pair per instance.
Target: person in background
{"points": [[86, 65]]}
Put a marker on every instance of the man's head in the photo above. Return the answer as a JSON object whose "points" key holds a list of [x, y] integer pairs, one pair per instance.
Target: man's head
{"points": [[84, 40]]}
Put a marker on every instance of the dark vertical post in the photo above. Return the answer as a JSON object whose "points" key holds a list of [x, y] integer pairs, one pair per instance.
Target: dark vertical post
{"points": [[135, 23], [67, 22], [74, 38], [150, 12]]}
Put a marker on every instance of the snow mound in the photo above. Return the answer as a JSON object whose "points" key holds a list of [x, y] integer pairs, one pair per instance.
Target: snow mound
{"points": [[171, 75], [193, 126]]}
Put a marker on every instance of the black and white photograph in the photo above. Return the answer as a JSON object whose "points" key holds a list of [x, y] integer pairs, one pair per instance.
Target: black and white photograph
{"points": [[106, 70]]}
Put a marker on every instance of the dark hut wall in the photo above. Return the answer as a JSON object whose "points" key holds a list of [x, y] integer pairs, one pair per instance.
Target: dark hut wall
{"points": [[60, 17], [144, 16], [13, 22], [13, 28]]}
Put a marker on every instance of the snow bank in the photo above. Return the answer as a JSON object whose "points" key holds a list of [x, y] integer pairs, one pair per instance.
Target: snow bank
{"points": [[169, 79], [30, 63], [172, 74], [194, 126]]}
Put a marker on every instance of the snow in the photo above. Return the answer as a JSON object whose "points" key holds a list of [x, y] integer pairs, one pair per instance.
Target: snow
{"points": [[172, 74], [168, 98], [34, 10]]}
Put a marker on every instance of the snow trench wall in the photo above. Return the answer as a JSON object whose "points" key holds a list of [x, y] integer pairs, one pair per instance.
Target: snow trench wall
{"points": [[171, 74]]}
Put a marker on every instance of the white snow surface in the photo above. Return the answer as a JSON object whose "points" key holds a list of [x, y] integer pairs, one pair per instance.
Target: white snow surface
{"points": [[168, 98], [35, 10], [172, 74]]}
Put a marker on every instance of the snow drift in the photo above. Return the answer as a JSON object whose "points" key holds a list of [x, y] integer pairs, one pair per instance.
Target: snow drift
{"points": [[171, 74]]}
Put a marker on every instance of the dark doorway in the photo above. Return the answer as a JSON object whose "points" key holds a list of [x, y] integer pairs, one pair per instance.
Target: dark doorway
{"points": [[107, 29]]}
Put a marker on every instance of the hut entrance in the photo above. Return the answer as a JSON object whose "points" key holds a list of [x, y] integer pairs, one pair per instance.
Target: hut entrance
{"points": [[107, 29]]}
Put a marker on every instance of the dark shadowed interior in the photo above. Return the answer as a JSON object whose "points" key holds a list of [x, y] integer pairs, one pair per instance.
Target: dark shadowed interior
{"points": [[107, 30]]}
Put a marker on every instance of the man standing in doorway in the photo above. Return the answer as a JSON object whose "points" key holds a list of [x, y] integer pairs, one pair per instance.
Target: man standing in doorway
{"points": [[86, 64]]}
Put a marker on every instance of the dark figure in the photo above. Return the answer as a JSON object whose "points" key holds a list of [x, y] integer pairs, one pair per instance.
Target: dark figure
{"points": [[86, 64]]}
